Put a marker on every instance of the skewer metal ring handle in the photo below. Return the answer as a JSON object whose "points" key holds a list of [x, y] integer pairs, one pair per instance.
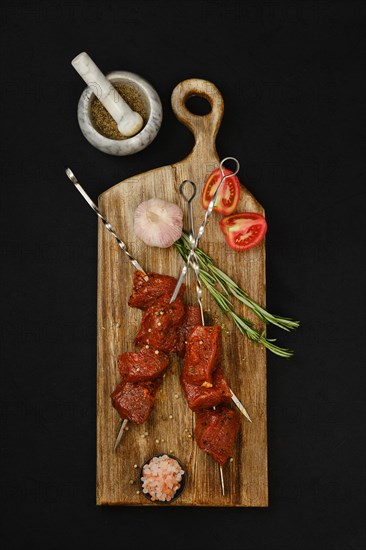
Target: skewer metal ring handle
{"points": [[222, 166], [183, 192]]}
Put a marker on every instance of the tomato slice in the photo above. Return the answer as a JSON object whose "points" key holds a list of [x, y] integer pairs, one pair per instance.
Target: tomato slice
{"points": [[228, 197], [243, 230]]}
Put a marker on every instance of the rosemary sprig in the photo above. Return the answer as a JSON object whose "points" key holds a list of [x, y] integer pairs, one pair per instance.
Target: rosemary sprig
{"points": [[230, 287], [212, 276]]}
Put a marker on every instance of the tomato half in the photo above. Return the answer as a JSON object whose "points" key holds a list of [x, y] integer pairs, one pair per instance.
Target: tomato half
{"points": [[243, 230], [228, 197]]}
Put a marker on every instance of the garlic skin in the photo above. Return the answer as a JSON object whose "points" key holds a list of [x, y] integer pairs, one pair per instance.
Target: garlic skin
{"points": [[158, 223]]}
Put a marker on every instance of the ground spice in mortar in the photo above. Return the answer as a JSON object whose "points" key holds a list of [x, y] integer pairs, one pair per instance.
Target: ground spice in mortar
{"points": [[103, 121]]}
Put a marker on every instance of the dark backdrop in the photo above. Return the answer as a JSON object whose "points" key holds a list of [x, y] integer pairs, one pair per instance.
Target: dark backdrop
{"points": [[291, 77]]}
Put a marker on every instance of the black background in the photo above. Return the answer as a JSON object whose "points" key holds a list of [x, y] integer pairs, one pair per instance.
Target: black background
{"points": [[291, 77]]}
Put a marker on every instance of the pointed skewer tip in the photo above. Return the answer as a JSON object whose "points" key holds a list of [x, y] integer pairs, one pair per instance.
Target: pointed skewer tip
{"points": [[120, 434], [222, 481]]}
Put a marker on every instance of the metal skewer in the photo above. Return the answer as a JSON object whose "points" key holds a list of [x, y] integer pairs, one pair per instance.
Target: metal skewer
{"points": [[204, 223], [196, 269], [70, 174], [195, 264], [120, 434]]}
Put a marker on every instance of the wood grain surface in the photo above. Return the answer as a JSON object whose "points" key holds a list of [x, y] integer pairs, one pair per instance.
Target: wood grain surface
{"points": [[171, 424]]}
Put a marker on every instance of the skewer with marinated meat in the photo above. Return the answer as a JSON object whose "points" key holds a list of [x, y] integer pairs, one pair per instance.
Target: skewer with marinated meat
{"points": [[164, 328], [147, 289], [202, 379]]}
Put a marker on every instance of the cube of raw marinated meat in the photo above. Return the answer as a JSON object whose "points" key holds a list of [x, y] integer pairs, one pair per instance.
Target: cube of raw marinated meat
{"points": [[145, 364], [203, 354], [135, 400], [160, 326], [216, 431], [199, 397], [158, 287]]}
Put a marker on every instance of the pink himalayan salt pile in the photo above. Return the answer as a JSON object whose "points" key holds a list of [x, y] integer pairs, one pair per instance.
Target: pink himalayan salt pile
{"points": [[161, 478]]}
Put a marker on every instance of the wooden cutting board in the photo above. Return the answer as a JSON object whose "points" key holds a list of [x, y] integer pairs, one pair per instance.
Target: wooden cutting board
{"points": [[171, 424]]}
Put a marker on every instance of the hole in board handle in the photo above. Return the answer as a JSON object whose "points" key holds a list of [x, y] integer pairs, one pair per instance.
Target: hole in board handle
{"points": [[198, 105]]}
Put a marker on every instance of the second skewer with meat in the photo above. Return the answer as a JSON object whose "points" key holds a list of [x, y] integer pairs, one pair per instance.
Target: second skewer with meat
{"points": [[202, 379]]}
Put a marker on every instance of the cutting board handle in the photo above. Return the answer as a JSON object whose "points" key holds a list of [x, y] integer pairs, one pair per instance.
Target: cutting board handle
{"points": [[203, 127]]}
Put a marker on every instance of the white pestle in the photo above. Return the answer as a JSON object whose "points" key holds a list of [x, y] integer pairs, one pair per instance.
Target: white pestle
{"points": [[128, 121]]}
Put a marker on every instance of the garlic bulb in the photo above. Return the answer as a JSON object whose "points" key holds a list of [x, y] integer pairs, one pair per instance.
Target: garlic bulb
{"points": [[158, 223]]}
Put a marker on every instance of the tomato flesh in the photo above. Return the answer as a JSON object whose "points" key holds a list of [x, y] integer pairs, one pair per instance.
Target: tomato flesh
{"points": [[228, 197], [243, 230]]}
